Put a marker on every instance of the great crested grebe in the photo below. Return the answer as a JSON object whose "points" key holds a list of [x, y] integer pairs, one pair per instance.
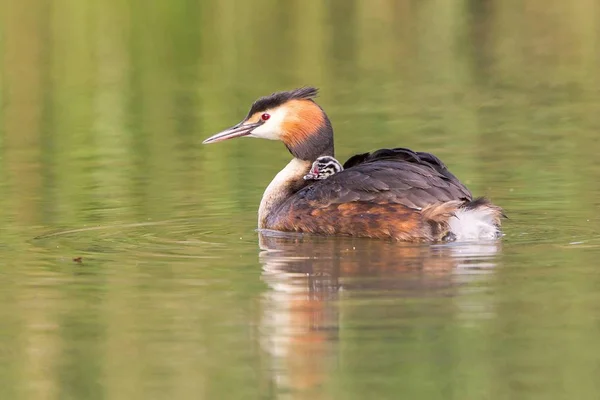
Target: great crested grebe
{"points": [[323, 167], [388, 194]]}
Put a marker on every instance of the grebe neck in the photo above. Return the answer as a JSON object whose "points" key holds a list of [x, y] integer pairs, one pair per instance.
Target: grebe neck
{"points": [[288, 181]]}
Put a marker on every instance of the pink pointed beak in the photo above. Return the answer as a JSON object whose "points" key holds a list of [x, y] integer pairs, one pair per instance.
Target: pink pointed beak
{"points": [[238, 130]]}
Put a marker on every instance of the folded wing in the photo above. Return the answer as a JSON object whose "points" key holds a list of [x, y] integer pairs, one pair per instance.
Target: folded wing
{"points": [[387, 176]]}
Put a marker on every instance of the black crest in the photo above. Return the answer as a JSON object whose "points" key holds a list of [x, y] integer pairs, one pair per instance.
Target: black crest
{"points": [[279, 98]]}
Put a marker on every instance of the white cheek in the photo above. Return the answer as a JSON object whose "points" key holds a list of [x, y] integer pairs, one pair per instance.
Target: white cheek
{"points": [[272, 128]]}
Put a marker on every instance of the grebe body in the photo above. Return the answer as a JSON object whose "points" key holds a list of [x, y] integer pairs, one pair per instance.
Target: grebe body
{"points": [[394, 193]]}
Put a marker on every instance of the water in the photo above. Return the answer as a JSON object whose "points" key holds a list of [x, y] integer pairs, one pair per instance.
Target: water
{"points": [[176, 296]]}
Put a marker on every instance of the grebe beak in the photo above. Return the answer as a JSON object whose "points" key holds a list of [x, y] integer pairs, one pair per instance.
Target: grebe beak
{"points": [[239, 130]]}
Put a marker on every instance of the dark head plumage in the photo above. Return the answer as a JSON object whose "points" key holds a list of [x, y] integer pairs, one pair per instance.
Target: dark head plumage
{"points": [[278, 98]]}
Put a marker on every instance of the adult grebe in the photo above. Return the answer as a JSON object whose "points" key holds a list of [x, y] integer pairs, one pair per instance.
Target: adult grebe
{"points": [[390, 193]]}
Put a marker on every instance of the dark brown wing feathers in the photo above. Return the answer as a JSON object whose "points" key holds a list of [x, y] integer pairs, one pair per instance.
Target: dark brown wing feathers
{"points": [[398, 176], [388, 193]]}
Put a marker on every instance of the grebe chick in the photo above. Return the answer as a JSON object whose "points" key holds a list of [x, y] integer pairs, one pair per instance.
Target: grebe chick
{"points": [[323, 167], [396, 193]]}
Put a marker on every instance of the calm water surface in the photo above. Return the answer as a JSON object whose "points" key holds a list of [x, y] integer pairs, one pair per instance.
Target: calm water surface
{"points": [[176, 296]]}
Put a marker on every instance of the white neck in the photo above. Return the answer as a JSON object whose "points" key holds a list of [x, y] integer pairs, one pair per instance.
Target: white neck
{"points": [[279, 189]]}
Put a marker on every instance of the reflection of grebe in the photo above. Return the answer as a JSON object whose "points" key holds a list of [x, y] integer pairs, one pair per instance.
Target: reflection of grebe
{"points": [[390, 193], [317, 282], [314, 264]]}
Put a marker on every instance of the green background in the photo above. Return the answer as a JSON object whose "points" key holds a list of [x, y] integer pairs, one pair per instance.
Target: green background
{"points": [[104, 105]]}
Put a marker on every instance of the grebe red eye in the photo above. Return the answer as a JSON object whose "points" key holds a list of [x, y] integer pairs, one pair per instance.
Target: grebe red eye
{"points": [[265, 116]]}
